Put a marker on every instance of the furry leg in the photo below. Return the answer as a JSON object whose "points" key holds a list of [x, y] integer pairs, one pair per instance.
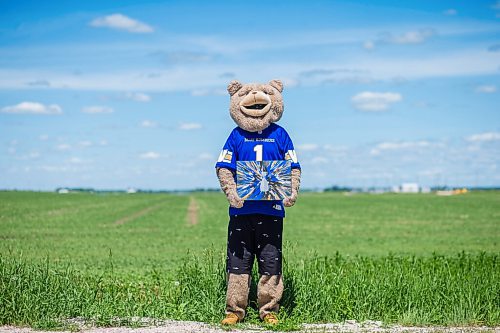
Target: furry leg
{"points": [[269, 292], [238, 286]]}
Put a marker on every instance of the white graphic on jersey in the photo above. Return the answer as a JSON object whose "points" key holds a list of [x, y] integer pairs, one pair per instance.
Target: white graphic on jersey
{"points": [[264, 184], [291, 155], [258, 152], [221, 155], [225, 156]]}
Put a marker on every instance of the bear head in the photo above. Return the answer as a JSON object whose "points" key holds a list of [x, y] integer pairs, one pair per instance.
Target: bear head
{"points": [[255, 106]]}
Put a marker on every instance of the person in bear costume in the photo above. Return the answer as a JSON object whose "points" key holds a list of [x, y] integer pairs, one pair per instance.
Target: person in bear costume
{"points": [[255, 227]]}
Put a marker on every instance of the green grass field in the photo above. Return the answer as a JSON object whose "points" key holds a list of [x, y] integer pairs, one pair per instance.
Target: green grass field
{"points": [[411, 259]]}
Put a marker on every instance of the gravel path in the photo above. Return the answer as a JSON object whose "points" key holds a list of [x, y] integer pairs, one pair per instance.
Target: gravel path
{"points": [[192, 327]]}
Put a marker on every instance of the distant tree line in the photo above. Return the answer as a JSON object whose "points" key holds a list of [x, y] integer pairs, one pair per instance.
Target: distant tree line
{"points": [[333, 188]]}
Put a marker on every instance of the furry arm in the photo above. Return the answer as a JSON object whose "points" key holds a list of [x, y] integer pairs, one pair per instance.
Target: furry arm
{"points": [[289, 202], [228, 186]]}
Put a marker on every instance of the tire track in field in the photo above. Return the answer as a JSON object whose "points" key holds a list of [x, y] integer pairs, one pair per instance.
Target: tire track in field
{"points": [[192, 212], [138, 214]]}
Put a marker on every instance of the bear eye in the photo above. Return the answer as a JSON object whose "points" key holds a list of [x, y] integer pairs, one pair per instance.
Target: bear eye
{"points": [[269, 92], [244, 92]]}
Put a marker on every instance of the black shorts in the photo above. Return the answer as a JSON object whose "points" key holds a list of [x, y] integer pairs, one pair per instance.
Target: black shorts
{"points": [[254, 235]]}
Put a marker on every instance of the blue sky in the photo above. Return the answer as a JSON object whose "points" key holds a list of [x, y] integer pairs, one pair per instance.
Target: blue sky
{"points": [[111, 95]]}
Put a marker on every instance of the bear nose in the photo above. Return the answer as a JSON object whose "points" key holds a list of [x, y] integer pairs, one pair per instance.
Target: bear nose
{"points": [[254, 92]]}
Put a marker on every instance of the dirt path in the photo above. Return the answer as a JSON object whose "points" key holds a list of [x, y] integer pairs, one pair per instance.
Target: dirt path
{"points": [[138, 214], [349, 326], [192, 212]]}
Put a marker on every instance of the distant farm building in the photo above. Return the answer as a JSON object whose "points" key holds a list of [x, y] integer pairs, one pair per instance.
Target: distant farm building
{"points": [[410, 188], [406, 188]]}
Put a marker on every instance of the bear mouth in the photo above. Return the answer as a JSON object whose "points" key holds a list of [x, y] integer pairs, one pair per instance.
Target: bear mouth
{"points": [[255, 110], [256, 106]]}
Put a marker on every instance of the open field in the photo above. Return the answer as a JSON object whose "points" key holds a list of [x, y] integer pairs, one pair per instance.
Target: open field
{"points": [[409, 259], [142, 231]]}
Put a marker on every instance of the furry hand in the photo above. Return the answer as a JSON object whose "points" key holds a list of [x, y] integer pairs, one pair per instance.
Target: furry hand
{"points": [[290, 201], [228, 186], [234, 199]]}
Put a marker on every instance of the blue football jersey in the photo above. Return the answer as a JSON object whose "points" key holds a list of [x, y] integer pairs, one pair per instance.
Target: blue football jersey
{"points": [[271, 144]]}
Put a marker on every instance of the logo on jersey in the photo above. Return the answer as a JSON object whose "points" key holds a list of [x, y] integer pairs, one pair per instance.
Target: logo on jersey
{"points": [[225, 156], [291, 155], [259, 140], [277, 207]]}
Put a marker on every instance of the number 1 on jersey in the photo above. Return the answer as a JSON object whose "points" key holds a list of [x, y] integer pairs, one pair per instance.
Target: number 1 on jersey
{"points": [[258, 152]]}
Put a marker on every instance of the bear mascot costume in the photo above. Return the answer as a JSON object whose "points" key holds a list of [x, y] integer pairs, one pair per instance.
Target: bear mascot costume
{"points": [[255, 227]]}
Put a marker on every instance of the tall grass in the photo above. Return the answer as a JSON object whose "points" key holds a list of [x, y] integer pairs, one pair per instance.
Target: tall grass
{"points": [[461, 289]]}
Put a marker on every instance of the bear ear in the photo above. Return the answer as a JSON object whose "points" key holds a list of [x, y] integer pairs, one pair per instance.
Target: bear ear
{"points": [[233, 87], [277, 84]]}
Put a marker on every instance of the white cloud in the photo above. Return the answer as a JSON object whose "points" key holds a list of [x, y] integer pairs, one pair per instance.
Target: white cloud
{"points": [[148, 124], [32, 108], [151, 155], [63, 147], [121, 22], [369, 45], [29, 156], [482, 137], [450, 12], [97, 109], [487, 89], [375, 101], [404, 145], [410, 37], [138, 97], [321, 75], [465, 59], [75, 160], [288, 82], [190, 126], [319, 160], [336, 149], [208, 92], [307, 147], [43, 137], [85, 143]]}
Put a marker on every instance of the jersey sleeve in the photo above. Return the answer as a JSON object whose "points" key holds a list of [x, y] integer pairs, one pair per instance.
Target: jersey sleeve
{"points": [[227, 157], [290, 154]]}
